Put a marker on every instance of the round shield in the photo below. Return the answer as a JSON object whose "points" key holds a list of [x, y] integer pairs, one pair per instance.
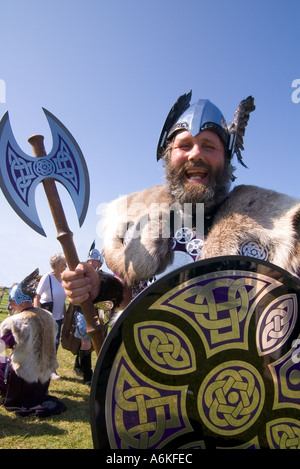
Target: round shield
{"points": [[205, 357]]}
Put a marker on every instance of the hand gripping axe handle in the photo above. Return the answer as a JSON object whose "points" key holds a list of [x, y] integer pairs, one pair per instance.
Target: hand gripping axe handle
{"points": [[65, 237]]}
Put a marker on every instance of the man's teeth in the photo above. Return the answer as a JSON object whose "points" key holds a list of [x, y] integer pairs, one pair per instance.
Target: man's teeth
{"points": [[196, 175]]}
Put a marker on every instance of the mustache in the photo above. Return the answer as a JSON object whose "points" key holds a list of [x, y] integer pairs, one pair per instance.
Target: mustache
{"points": [[196, 165]]}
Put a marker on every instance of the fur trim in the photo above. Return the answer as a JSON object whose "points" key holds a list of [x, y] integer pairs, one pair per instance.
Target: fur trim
{"points": [[249, 214], [259, 215], [144, 255], [34, 356]]}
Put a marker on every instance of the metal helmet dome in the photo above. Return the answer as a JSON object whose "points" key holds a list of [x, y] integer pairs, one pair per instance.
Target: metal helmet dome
{"points": [[204, 115], [95, 255]]}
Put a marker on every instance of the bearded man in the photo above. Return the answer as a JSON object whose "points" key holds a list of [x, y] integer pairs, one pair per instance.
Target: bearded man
{"points": [[142, 240]]}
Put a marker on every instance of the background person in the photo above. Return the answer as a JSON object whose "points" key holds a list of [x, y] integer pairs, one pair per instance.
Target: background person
{"points": [[50, 293], [83, 361], [30, 334]]}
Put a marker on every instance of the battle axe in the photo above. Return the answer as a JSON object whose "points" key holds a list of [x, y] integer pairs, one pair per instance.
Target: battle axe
{"points": [[19, 176]]}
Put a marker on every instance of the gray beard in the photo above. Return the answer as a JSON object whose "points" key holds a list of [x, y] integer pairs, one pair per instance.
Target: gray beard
{"points": [[211, 195]]}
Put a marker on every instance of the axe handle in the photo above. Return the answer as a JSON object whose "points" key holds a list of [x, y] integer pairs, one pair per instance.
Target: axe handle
{"points": [[65, 237]]}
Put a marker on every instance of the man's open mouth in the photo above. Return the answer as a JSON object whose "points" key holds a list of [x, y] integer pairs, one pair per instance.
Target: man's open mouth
{"points": [[196, 174]]}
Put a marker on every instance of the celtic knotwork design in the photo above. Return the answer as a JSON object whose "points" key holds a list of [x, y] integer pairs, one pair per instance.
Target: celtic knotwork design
{"points": [[64, 163], [286, 378], [19, 296], [165, 347], [142, 413], [44, 167], [254, 249], [284, 433], [236, 319], [276, 323], [231, 398], [21, 173], [219, 306]]}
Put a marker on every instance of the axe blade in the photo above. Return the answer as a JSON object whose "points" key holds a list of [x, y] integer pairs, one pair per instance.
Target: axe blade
{"points": [[21, 173], [16, 178]]}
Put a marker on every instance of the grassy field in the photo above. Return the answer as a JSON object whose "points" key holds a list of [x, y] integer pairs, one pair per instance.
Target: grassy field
{"points": [[69, 430]]}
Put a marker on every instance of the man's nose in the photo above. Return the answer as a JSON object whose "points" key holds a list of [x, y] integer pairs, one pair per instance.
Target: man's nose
{"points": [[195, 153]]}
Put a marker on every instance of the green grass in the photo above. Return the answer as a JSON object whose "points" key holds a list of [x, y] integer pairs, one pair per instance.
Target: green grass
{"points": [[69, 430], [3, 303]]}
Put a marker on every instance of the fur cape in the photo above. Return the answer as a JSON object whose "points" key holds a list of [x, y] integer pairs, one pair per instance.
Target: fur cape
{"points": [[249, 214], [33, 358]]}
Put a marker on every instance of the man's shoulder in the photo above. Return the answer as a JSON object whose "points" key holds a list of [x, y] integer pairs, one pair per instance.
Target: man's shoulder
{"points": [[149, 193], [259, 193], [254, 199], [155, 194]]}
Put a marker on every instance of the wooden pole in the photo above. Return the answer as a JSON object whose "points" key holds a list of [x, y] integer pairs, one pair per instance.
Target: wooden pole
{"points": [[65, 237]]}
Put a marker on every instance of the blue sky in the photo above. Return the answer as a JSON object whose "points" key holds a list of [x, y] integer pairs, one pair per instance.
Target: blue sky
{"points": [[111, 70]]}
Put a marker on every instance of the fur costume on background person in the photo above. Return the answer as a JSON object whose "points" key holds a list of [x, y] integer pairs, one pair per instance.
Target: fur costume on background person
{"points": [[34, 357], [25, 375], [250, 216]]}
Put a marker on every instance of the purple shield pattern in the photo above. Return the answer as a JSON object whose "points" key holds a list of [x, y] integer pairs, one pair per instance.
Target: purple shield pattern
{"points": [[205, 358]]}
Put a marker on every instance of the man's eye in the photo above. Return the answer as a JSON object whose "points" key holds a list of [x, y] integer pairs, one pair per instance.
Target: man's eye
{"points": [[185, 146]]}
